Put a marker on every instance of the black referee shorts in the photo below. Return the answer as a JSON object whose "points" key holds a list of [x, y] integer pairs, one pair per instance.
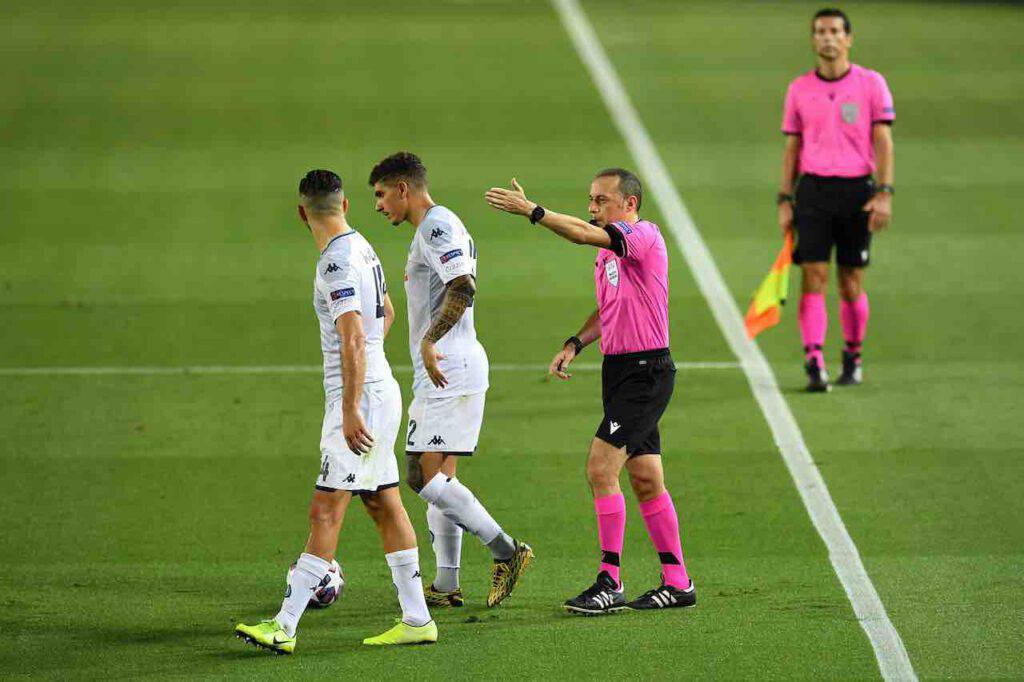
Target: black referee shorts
{"points": [[828, 212], [636, 389]]}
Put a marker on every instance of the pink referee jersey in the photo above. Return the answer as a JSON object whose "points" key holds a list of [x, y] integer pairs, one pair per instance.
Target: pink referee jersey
{"points": [[834, 120], [632, 290]]}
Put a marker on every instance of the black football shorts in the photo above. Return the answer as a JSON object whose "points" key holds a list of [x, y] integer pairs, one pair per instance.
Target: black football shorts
{"points": [[828, 212], [635, 389]]}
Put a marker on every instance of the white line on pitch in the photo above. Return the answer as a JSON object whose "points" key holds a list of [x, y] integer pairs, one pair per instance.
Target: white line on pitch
{"points": [[295, 369], [893, 662]]}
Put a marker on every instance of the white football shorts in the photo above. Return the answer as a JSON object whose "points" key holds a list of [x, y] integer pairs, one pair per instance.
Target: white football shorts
{"points": [[450, 424], [342, 469]]}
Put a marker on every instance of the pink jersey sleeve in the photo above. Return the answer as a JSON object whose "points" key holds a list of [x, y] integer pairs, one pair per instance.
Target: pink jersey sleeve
{"points": [[636, 238], [791, 124], [882, 108]]}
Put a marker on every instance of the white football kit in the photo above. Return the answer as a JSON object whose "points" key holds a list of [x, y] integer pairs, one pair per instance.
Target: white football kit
{"points": [[443, 419], [349, 277]]}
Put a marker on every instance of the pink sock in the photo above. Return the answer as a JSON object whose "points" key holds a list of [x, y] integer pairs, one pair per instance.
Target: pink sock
{"points": [[813, 323], [855, 321], [611, 527], [663, 527]]}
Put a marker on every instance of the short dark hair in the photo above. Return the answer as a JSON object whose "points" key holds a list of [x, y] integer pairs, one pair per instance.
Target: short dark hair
{"points": [[400, 166], [629, 183], [321, 191], [833, 12]]}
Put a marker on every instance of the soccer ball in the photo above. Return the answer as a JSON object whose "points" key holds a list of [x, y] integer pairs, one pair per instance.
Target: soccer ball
{"points": [[329, 589]]}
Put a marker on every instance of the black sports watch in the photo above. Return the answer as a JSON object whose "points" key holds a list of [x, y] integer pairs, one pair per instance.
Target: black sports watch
{"points": [[782, 197], [537, 214], [575, 341], [888, 189]]}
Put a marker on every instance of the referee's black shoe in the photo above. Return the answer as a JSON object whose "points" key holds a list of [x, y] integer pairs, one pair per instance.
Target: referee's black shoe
{"points": [[665, 597], [817, 377], [853, 373], [604, 596]]}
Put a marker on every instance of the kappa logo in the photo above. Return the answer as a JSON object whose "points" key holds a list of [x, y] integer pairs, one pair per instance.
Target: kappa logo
{"points": [[436, 232], [331, 268], [351, 478], [416, 575], [613, 426], [436, 440]]}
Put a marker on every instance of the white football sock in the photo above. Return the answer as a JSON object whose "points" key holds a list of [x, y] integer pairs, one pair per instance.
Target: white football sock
{"points": [[446, 539], [462, 507], [405, 574], [309, 572]]}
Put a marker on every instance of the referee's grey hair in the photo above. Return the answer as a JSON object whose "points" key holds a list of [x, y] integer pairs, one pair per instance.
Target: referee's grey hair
{"points": [[629, 183]]}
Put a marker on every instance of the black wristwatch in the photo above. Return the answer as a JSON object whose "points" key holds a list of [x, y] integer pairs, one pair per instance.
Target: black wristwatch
{"points": [[782, 197], [537, 214], [889, 189], [575, 341]]}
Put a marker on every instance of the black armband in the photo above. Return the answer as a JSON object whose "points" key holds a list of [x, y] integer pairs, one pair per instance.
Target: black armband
{"points": [[575, 341]]}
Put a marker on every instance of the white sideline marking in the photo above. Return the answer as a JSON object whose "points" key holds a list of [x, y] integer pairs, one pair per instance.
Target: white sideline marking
{"points": [[296, 369], [893, 662]]}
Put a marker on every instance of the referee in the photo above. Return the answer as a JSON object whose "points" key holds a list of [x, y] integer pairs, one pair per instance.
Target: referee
{"points": [[637, 380], [838, 125]]}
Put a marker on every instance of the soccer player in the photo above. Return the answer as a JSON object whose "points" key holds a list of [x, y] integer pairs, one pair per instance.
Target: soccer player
{"points": [[450, 381], [637, 376], [837, 120], [362, 414]]}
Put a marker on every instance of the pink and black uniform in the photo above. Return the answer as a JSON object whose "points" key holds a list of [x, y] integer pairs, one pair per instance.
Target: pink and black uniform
{"points": [[638, 375], [637, 379], [834, 119]]}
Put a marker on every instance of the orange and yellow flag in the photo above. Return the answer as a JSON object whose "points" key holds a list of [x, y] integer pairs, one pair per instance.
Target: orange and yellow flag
{"points": [[765, 309]]}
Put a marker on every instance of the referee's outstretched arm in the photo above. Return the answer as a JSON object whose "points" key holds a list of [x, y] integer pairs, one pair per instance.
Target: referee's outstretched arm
{"points": [[567, 227]]}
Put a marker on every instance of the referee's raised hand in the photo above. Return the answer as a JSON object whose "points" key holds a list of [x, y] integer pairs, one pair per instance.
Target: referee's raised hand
{"points": [[510, 200]]}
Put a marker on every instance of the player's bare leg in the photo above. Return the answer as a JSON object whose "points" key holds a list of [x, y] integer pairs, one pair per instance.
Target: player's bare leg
{"points": [[399, 540], [814, 323], [458, 504], [326, 515], [854, 312], [445, 535]]}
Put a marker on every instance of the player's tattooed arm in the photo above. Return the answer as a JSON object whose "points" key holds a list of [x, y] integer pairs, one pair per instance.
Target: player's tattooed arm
{"points": [[457, 297]]}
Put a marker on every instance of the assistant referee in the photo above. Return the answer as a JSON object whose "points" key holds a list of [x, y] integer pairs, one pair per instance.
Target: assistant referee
{"points": [[839, 156]]}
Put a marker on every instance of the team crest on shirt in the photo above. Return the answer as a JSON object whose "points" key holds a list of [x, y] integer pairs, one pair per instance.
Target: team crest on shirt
{"points": [[611, 271], [849, 111]]}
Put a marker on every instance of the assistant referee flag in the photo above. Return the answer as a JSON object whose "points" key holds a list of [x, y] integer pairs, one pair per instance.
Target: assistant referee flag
{"points": [[765, 309]]}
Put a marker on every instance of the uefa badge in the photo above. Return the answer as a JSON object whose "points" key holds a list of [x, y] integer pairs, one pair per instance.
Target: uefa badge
{"points": [[611, 270], [849, 111]]}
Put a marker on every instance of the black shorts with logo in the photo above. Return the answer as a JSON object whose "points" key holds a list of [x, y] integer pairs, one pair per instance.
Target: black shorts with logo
{"points": [[828, 211], [635, 389]]}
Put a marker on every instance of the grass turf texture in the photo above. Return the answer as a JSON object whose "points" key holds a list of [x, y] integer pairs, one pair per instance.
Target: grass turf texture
{"points": [[151, 158]]}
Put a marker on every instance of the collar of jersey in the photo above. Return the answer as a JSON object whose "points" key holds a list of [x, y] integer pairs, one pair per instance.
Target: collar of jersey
{"points": [[833, 80], [336, 239]]}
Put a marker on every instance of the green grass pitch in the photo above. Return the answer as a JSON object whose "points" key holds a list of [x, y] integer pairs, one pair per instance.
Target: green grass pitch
{"points": [[149, 163]]}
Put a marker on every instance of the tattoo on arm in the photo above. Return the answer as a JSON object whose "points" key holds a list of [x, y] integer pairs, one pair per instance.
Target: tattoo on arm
{"points": [[458, 296]]}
